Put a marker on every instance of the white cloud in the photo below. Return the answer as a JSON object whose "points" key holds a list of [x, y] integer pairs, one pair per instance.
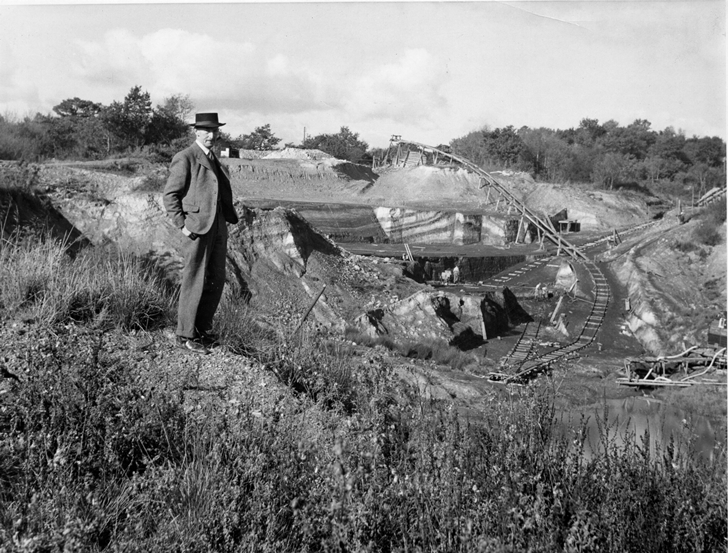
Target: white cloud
{"points": [[17, 94], [215, 73], [401, 90]]}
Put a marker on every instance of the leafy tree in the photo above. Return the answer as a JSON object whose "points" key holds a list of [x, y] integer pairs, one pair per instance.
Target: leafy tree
{"points": [[710, 150], [179, 105], [343, 145], [503, 146], [168, 121], [58, 136], [129, 120], [557, 159], [633, 140], [262, 138], [534, 150], [588, 133], [613, 168], [79, 130], [75, 107], [471, 146]]}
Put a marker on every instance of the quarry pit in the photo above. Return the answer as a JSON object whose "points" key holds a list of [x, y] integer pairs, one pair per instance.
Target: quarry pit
{"points": [[380, 241]]}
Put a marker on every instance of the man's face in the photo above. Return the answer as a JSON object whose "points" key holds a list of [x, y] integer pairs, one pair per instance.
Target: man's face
{"points": [[207, 136]]}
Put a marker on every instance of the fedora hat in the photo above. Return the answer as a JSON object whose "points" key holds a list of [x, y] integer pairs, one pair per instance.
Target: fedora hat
{"points": [[206, 121]]}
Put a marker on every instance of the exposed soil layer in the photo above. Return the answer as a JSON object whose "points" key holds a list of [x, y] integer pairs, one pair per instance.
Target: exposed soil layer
{"points": [[279, 261]]}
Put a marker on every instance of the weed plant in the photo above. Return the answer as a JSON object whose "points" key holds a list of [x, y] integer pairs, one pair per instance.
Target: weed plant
{"points": [[711, 217], [438, 351], [22, 176], [93, 457]]}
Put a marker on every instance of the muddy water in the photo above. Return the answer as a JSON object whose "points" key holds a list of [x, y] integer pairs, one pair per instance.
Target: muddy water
{"points": [[617, 422]]}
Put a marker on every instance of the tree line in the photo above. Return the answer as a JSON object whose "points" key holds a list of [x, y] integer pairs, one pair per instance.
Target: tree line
{"points": [[87, 130], [608, 154], [83, 129]]}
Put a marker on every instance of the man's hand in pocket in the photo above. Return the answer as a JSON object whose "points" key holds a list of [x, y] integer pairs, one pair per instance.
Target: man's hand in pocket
{"points": [[188, 234]]}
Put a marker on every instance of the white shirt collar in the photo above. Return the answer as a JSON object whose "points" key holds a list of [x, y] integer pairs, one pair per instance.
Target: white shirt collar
{"points": [[202, 147]]}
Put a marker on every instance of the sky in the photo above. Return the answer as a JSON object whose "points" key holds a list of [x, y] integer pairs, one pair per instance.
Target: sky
{"points": [[428, 71]]}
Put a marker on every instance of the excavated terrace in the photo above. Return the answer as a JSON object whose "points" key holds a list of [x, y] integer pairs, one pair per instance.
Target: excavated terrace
{"points": [[316, 221]]}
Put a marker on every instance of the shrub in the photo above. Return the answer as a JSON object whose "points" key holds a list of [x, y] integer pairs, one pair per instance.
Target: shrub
{"points": [[19, 176], [707, 234], [686, 247], [39, 277], [93, 459], [715, 213], [76, 435], [440, 352]]}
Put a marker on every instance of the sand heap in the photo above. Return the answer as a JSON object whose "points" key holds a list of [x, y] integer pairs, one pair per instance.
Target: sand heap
{"points": [[423, 185]]}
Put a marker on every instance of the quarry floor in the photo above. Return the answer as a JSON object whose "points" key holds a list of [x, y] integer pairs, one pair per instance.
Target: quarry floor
{"points": [[582, 385]]}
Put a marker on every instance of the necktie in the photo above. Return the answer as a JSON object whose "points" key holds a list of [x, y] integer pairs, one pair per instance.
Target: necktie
{"points": [[213, 162]]}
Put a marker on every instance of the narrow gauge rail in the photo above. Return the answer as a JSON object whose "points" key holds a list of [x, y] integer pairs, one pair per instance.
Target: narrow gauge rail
{"points": [[601, 287], [524, 347], [622, 233], [588, 333]]}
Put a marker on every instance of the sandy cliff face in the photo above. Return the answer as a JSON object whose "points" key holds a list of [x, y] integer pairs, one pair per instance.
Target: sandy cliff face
{"points": [[276, 260], [594, 209], [674, 295]]}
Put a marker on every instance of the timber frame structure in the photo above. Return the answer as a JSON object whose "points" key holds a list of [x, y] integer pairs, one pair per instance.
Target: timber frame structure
{"points": [[525, 366], [405, 153]]}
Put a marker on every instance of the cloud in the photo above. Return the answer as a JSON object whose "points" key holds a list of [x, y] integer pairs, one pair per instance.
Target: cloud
{"points": [[406, 88], [17, 93], [215, 73]]}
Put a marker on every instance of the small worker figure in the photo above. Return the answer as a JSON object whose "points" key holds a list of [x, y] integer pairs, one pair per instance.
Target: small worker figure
{"points": [[428, 269], [446, 275], [681, 217], [456, 274]]}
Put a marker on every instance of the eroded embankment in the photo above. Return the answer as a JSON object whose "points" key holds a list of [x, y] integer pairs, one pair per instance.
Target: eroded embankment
{"points": [[291, 179], [673, 294], [393, 225]]}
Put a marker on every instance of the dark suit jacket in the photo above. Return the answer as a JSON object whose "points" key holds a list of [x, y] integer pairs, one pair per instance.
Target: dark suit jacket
{"points": [[191, 192]]}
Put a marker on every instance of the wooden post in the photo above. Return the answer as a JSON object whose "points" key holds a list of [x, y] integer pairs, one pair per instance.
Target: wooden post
{"points": [[313, 303], [558, 251], [482, 329], [556, 311], [572, 286], [520, 223], [497, 203], [487, 197]]}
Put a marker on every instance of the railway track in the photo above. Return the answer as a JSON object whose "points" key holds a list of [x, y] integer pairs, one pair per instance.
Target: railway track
{"points": [[525, 345], [531, 367], [622, 233], [523, 349]]}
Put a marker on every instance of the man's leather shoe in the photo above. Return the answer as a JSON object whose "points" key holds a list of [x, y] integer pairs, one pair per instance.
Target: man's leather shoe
{"points": [[193, 344], [209, 339]]}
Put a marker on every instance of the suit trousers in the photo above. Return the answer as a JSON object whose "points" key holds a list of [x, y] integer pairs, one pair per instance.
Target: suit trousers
{"points": [[203, 280]]}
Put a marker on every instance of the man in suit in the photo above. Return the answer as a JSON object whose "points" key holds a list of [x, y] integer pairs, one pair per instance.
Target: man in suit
{"points": [[199, 200]]}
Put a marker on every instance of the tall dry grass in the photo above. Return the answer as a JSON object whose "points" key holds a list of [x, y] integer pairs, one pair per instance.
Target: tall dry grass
{"points": [[40, 280]]}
